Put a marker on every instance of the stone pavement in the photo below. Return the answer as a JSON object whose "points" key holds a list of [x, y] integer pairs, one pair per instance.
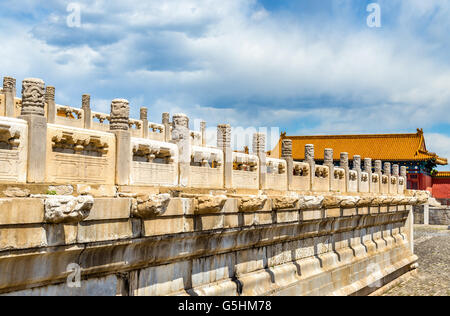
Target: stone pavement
{"points": [[432, 245]]}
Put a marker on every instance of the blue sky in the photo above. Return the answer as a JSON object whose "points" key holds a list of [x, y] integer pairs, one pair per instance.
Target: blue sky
{"points": [[305, 66]]}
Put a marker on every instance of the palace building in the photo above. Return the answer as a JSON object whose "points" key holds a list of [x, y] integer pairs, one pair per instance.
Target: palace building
{"points": [[407, 150]]}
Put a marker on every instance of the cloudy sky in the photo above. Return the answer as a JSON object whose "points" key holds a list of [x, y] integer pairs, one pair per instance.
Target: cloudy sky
{"points": [[304, 66]]}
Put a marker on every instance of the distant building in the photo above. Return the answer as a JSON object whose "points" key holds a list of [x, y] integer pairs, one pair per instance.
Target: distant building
{"points": [[403, 149], [441, 187]]}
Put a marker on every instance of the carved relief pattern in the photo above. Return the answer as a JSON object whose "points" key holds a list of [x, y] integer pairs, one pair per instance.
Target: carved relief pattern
{"points": [[309, 153], [378, 166], [339, 174], [357, 163], [10, 136], [328, 156], [205, 155], [375, 178], [120, 114], [259, 142], [321, 172], [180, 127], [403, 171], [387, 168], [224, 136], [353, 176], [79, 143], [301, 170], [395, 170], [49, 94], [143, 113], [68, 209], [153, 150], [245, 162], [286, 148], [102, 117], [136, 123], [85, 101], [344, 160], [276, 166], [156, 128], [165, 118], [368, 165], [9, 84], [33, 97], [180, 120], [70, 112]]}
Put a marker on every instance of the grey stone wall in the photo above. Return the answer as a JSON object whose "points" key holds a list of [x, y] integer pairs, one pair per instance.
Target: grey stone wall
{"points": [[438, 216]]}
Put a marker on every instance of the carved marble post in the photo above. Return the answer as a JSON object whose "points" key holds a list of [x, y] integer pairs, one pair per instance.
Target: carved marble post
{"points": [[378, 171], [329, 162], [368, 169], [51, 105], [144, 119], [309, 159], [181, 137], [403, 174], [259, 147], [286, 154], [86, 107], [357, 168], [344, 165], [33, 104], [396, 170], [120, 116], [387, 169], [396, 176], [224, 143], [9, 89], [166, 123], [203, 132], [387, 172]]}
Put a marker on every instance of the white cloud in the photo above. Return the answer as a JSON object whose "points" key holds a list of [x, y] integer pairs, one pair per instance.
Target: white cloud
{"points": [[234, 61]]}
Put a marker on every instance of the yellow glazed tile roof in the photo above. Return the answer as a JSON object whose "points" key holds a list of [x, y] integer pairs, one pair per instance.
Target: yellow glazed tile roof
{"points": [[442, 174], [386, 147]]}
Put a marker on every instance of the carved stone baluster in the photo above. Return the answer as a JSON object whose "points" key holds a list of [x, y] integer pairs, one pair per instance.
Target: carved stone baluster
{"points": [[329, 162], [344, 165], [286, 154], [395, 176], [51, 105], [9, 89], [368, 170], [378, 170], [33, 103], [387, 169], [144, 119], [203, 132], [86, 106], [224, 143], [166, 123], [181, 137], [309, 159], [259, 147], [357, 168], [119, 120]]}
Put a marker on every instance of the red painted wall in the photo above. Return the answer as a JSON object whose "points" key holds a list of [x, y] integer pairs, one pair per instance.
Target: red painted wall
{"points": [[441, 188], [426, 182], [419, 181]]}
